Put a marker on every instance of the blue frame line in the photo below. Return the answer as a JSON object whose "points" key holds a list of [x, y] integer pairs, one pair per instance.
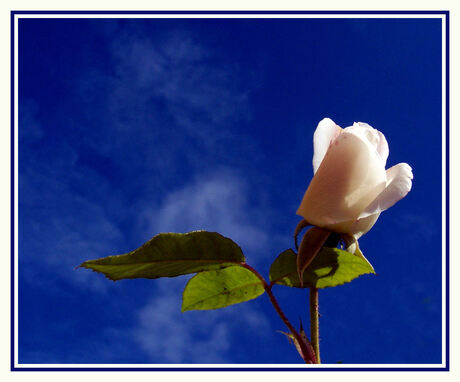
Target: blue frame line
{"points": [[426, 12], [12, 338], [188, 369], [447, 193]]}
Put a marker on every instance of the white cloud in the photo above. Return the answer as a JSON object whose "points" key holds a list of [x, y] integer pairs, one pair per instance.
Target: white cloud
{"points": [[161, 109], [74, 208], [170, 336], [217, 202], [171, 70], [59, 226], [175, 68], [54, 243]]}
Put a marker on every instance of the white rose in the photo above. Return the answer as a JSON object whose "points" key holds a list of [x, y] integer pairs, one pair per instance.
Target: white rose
{"points": [[350, 187]]}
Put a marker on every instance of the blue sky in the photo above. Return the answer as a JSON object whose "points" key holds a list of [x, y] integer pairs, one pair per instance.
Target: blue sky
{"points": [[128, 128]]}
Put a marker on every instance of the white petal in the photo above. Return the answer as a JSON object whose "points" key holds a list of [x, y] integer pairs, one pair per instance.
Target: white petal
{"points": [[382, 147], [399, 183], [350, 177], [375, 138], [325, 133], [357, 227], [361, 226]]}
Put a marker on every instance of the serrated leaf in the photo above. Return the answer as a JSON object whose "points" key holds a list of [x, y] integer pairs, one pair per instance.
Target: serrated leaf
{"points": [[170, 255], [360, 254], [221, 288], [352, 245], [331, 267]]}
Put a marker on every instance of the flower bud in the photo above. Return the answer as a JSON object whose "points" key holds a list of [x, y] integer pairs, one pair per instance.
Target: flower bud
{"points": [[350, 186]]}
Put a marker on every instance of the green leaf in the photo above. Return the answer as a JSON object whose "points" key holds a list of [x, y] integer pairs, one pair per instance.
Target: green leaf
{"points": [[221, 288], [352, 245], [360, 254], [331, 267], [170, 255]]}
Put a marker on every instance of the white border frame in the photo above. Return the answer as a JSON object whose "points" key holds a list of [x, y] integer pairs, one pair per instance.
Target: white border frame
{"points": [[371, 15]]}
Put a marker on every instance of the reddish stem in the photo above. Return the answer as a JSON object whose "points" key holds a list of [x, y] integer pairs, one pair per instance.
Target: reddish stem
{"points": [[307, 350]]}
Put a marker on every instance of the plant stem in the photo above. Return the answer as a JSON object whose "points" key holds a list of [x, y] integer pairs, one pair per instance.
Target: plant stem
{"points": [[314, 322], [307, 350]]}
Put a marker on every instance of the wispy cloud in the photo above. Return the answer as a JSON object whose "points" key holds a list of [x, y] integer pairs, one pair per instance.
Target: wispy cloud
{"points": [[153, 158], [60, 223], [176, 69], [170, 336], [168, 111], [161, 98], [217, 202]]}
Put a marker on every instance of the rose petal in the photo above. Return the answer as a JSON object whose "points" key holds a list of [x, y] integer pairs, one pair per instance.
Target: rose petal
{"points": [[349, 179], [325, 133], [373, 136], [361, 226], [399, 183]]}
